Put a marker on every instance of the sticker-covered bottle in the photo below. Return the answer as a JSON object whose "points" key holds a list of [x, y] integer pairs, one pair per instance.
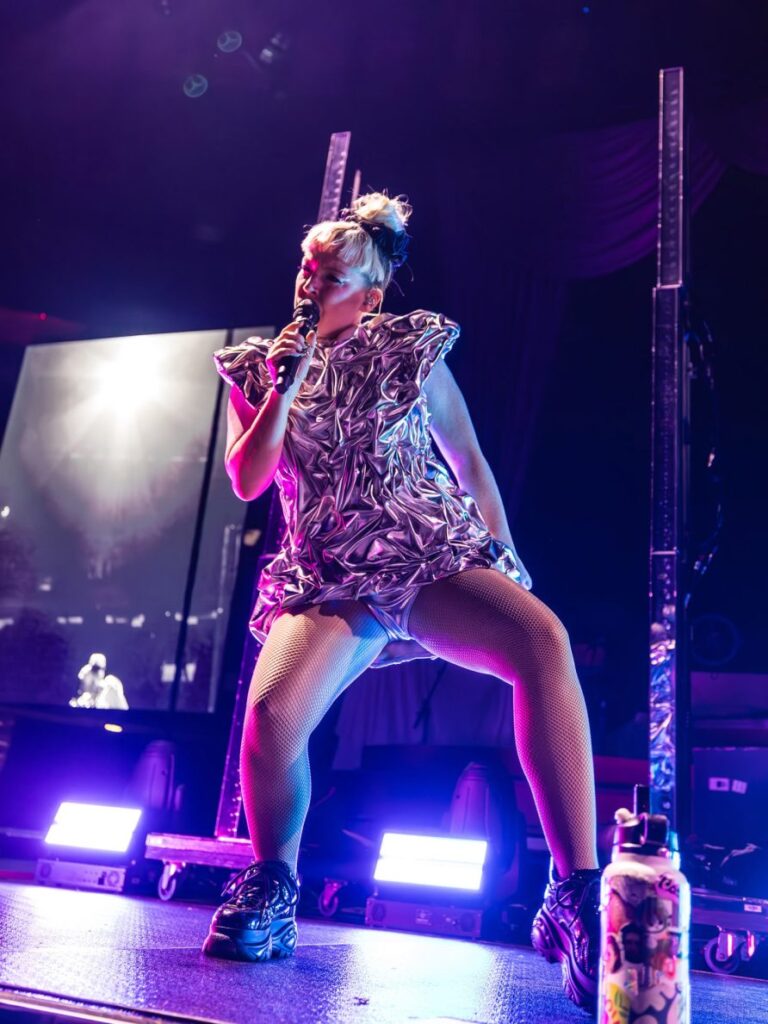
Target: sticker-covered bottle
{"points": [[645, 912]]}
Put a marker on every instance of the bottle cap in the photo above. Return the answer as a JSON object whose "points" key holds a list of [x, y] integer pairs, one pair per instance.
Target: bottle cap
{"points": [[642, 833]]}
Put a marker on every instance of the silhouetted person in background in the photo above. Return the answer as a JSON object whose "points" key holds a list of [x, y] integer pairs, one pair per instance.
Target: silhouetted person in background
{"points": [[97, 689]]}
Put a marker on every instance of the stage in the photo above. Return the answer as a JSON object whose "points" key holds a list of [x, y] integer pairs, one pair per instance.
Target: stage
{"points": [[98, 956]]}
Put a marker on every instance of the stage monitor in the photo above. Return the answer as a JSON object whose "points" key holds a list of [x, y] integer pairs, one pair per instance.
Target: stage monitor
{"points": [[101, 476]]}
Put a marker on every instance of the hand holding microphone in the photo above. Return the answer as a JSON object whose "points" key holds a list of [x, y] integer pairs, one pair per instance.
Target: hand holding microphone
{"points": [[290, 353]]}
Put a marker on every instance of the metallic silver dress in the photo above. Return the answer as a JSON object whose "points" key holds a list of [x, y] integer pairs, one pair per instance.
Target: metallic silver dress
{"points": [[371, 511]]}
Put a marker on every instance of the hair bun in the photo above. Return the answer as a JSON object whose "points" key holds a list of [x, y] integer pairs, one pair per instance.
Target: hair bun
{"points": [[379, 208]]}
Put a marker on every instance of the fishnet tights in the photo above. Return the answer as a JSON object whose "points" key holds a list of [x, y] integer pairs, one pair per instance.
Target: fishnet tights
{"points": [[478, 619], [308, 659], [483, 621]]}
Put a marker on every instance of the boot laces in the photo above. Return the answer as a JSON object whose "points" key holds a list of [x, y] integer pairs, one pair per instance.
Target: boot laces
{"points": [[579, 890], [265, 882]]}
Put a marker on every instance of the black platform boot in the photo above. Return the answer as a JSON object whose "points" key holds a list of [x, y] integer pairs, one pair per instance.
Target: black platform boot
{"points": [[258, 921], [567, 929]]}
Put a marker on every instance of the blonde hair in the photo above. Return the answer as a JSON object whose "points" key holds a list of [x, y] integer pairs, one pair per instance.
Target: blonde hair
{"points": [[352, 243]]}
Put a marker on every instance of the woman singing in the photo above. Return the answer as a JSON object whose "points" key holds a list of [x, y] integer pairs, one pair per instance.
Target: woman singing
{"points": [[390, 551]]}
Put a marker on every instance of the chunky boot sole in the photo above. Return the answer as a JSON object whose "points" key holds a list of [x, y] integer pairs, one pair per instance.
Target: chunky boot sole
{"points": [[284, 936], [553, 943], [278, 941]]}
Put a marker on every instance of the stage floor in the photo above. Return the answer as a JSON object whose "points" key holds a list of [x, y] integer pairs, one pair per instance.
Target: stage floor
{"points": [[100, 956]]}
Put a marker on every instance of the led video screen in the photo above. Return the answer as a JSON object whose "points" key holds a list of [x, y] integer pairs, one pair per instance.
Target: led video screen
{"points": [[101, 486]]}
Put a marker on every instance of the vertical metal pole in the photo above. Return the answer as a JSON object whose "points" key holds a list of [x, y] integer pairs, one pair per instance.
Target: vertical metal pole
{"points": [[335, 171], [230, 549], [669, 697], [231, 797], [230, 794], [194, 558]]}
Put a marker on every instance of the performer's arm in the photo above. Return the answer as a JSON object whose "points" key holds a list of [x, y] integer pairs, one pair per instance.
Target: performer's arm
{"points": [[254, 441], [455, 435], [255, 436]]}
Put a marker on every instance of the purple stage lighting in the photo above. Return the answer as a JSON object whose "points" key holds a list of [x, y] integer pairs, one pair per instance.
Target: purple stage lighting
{"points": [[440, 862], [93, 827]]}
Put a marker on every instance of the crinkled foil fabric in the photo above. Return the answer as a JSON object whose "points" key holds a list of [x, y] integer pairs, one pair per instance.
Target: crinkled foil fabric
{"points": [[371, 512]]}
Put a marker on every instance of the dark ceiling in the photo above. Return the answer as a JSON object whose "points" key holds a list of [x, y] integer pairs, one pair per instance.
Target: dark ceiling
{"points": [[126, 203]]}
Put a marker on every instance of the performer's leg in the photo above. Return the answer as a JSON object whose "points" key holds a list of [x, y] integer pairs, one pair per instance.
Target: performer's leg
{"points": [[483, 621], [308, 658]]}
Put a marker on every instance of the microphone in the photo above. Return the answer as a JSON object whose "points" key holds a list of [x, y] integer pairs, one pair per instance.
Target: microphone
{"points": [[307, 313]]}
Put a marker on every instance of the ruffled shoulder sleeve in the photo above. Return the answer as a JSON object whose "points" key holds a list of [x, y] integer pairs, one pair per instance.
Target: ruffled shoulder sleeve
{"points": [[244, 366], [421, 338], [428, 336]]}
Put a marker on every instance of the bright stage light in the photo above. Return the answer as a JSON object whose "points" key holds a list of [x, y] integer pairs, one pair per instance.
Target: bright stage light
{"points": [[127, 385], [93, 827], [440, 862]]}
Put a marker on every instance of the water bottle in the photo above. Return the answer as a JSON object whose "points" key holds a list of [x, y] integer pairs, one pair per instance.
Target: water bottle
{"points": [[645, 913]]}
